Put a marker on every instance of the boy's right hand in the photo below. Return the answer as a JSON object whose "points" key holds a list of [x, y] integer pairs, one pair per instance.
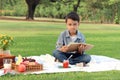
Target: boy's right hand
{"points": [[64, 49]]}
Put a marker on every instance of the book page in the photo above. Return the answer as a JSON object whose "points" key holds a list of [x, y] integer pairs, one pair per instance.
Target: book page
{"points": [[74, 46]]}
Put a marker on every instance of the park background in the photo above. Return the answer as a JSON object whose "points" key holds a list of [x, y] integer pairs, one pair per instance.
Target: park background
{"points": [[99, 11], [99, 24]]}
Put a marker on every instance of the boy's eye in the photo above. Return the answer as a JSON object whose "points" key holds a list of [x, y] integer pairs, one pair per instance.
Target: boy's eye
{"points": [[74, 24], [70, 24]]}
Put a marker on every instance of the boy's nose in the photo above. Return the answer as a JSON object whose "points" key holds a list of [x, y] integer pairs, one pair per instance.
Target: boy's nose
{"points": [[72, 26]]}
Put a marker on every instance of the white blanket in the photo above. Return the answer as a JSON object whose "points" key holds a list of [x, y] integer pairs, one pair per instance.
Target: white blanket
{"points": [[97, 63]]}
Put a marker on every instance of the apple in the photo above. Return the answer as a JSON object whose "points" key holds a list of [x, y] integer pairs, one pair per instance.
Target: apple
{"points": [[21, 68]]}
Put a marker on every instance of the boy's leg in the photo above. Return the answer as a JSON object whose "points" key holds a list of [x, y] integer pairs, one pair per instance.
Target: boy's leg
{"points": [[59, 55], [77, 58]]}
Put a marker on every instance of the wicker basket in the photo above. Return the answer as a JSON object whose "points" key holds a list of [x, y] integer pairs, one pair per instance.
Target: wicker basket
{"points": [[37, 67]]}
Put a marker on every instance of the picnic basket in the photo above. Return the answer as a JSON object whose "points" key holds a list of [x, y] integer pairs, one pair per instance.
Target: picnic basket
{"points": [[37, 67]]}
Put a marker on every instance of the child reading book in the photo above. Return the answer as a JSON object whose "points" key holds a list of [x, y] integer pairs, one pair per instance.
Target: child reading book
{"points": [[71, 35]]}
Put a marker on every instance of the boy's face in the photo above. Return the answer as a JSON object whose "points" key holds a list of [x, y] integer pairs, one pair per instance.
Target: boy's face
{"points": [[72, 26]]}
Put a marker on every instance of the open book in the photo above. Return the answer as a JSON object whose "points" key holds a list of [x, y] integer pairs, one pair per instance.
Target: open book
{"points": [[74, 46]]}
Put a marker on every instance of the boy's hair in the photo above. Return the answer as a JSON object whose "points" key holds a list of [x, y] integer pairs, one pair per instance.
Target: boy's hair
{"points": [[72, 15]]}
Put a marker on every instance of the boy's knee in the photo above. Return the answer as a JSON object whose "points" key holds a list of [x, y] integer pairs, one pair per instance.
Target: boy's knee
{"points": [[88, 58], [55, 53]]}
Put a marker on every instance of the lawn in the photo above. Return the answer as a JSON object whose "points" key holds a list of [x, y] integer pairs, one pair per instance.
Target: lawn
{"points": [[36, 38]]}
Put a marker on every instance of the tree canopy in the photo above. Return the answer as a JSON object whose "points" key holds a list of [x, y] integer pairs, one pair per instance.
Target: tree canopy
{"points": [[90, 10]]}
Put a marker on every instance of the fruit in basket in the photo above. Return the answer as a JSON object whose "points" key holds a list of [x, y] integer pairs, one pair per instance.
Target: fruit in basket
{"points": [[21, 68], [28, 59], [19, 60], [31, 63], [25, 62]]}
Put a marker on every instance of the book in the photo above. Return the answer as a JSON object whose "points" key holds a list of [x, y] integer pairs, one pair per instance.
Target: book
{"points": [[74, 46]]}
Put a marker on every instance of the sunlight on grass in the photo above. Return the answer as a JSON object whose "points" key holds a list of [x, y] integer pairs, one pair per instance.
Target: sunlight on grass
{"points": [[36, 38]]}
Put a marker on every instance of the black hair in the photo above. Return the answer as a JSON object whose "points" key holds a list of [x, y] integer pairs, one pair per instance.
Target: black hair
{"points": [[72, 15]]}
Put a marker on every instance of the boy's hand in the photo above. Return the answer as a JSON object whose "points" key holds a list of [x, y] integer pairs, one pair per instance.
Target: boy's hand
{"points": [[81, 49], [64, 49]]}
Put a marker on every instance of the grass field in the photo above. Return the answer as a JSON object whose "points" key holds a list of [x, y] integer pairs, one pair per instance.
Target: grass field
{"points": [[36, 38]]}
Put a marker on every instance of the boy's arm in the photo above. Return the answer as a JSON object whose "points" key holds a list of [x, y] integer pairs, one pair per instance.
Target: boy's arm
{"points": [[80, 47], [64, 49], [60, 45], [59, 42]]}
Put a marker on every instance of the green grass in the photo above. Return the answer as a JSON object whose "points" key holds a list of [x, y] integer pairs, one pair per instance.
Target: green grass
{"points": [[36, 38]]}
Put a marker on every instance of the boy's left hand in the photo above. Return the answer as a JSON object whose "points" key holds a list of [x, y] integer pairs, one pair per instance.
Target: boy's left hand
{"points": [[81, 49]]}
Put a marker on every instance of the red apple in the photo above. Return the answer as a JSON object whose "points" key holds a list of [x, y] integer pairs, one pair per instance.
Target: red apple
{"points": [[21, 68]]}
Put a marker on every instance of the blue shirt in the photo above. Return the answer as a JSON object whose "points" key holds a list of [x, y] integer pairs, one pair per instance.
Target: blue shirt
{"points": [[64, 39]]}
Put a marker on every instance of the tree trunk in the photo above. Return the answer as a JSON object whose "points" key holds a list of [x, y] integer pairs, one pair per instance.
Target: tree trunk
{"points": [[1, 7], [75, 7], [31, 8], [52, 0]]}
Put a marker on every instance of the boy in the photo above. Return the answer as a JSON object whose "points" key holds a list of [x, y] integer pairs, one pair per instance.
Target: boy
{"points": [[71, 35]]}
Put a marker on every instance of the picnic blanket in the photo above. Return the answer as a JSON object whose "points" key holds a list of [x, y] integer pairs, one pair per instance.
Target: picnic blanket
{"points": [[97, 63]]}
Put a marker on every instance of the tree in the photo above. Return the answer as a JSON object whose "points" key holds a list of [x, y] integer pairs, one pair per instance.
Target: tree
{"points": [[114, 4], [4, 3], [32, 4], [76, 5], [1, 7], [31, 8]]}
